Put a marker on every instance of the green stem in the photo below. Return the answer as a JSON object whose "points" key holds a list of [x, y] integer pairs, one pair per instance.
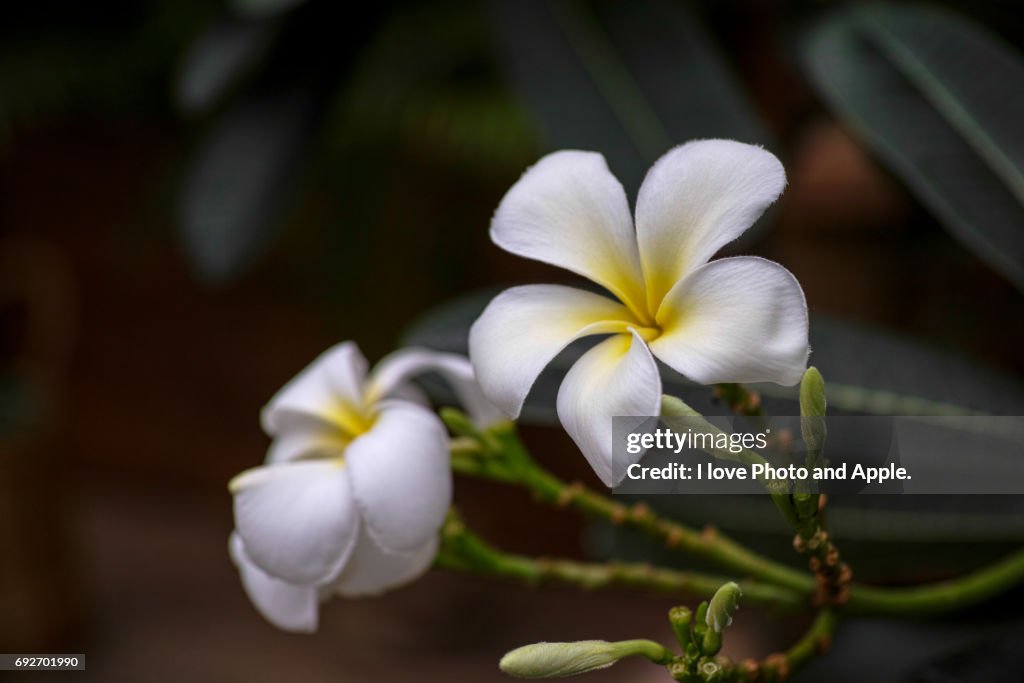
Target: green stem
{"points": [[707, 543], [781, 665], [817, 638], [655, 652], [465, 551], [521, 469], [939, 597]]}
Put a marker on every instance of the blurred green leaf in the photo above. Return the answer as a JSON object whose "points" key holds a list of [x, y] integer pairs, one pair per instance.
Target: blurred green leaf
{"points": [[264, 8], [940, 101], [218, 59], [118, 62], [240, 181], [629, 80], [869, 371], [448, 102]]}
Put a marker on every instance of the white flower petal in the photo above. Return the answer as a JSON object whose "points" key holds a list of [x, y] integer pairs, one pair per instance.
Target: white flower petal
{"points": [[740, 319], [329, 387], [371, 571], [697, 198], [524, 328], [394, 371], [401, 476], [298, 520], [618, 377], [570, 211], [286, 606]]}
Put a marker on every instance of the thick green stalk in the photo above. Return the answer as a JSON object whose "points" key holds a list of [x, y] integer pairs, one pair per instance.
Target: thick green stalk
{"points": [[814, 642], [781, 665], [935, 598]]}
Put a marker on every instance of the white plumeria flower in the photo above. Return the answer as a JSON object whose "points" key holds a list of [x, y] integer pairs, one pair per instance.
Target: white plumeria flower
{"points": [[356, 484], [740, 319]]}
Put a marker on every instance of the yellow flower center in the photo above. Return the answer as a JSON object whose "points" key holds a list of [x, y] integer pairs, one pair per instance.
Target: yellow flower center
{"points": [[352, 420], [648, 333]]}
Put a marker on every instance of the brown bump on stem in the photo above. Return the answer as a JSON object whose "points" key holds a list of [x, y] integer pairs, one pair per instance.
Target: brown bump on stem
{"points": [[832, 556], [619, 515], [822, 500], [785, 439], [641, 511], [815, 564], [749, 669], [674, 537], [778, 665], [709, 532], [568, 494], [845, 574], [799, 544], [843, 596], [753, 401], [823, 643]]}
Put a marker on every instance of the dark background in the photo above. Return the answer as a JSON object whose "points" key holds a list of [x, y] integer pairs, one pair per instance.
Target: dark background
{"points": [[173, 251]]}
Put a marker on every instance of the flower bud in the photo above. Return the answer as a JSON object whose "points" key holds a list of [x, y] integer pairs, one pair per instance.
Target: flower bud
{"points": [[681, 617], [719, 615], [812, 414], [722, 606], [555, 660]]}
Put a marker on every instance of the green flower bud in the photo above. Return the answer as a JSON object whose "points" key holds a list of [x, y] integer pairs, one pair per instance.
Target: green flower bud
{"points": [[812, 414], [711, 671], [700, 621], [722, 606], [718, 616], [556, 660], [681, 617], [812, 393]]}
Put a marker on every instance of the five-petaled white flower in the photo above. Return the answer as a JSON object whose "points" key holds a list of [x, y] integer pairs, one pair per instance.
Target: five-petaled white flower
{"points": [[356, 483], [739, 319]]}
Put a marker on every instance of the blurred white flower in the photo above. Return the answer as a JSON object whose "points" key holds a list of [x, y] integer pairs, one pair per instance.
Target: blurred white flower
{"points": [[740, 319], [356, 483]]}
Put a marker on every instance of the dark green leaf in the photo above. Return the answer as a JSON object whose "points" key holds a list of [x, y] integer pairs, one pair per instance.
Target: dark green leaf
{"points": [[940, 101], [629, 80], [218, 59], [238, 184], [264, 8]]}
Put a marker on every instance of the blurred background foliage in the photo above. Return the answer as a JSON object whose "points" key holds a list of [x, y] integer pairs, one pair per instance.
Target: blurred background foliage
{"points": [[287, 99], [197, 197]]}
